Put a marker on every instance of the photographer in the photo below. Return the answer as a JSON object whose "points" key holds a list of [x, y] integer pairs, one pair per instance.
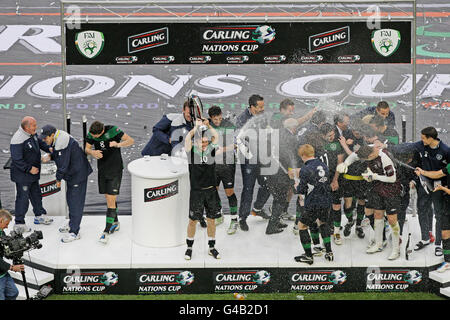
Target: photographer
{"points": [[8, 289]]}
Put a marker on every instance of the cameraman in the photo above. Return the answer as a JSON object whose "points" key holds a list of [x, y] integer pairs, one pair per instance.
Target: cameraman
{"points": [[8, 289]]}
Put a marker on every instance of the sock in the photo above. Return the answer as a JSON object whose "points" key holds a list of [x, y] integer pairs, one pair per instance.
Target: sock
{"points": [[330, 217], [446, 249], [116, 219], [336, 218], [110, 215], [211, 243], [401, 221], [299, 210], [325, 233], [379, 227], [372, 221], [286, 207], [384, 228], [395, 236], [189, 242], [232, 201], [305, 240], [314, 230], [349, 214], [360, 214]]}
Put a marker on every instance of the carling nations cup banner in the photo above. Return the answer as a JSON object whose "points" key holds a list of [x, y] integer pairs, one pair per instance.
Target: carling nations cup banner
{"points": [[233, 43]]}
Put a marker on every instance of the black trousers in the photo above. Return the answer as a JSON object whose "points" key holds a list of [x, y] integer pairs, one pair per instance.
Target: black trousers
{"points": [[278, 186], [251, 174]]}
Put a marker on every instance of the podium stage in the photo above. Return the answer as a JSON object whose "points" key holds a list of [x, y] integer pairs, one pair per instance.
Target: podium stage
{"points": [[250, 262]]}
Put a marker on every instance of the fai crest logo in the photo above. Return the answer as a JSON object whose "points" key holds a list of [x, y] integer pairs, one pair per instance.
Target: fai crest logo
{"points": [[89, 43], [386, 41]]}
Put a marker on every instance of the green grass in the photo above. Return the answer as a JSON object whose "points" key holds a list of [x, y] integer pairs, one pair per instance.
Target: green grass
{"points": [[261, 296]]}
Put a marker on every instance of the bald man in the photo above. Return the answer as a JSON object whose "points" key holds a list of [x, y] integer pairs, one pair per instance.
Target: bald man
{"points": [[25, 150]]}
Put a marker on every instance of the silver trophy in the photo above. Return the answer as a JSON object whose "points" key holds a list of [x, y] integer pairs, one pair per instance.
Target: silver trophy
{"points": [[196, 110]]}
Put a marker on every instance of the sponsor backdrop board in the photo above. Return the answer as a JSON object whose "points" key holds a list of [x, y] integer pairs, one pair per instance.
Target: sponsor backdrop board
{"points": [[135, 97], [285, 43], [261, 280]]}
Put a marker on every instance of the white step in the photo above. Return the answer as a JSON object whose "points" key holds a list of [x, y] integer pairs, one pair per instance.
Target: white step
{"points": [[441, 277], [445, 291], [23, 295], [35, 276]]}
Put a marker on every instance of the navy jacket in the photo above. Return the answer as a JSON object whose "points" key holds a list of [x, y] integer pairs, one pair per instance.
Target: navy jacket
{"points": [[428, 159], [172, 126], [25, 153], [315, 184], [242, 119], [390, 120], [71, 161]]}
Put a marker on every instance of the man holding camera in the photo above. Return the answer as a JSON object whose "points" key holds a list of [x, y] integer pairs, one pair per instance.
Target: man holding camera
{"points": [[8, 289]]}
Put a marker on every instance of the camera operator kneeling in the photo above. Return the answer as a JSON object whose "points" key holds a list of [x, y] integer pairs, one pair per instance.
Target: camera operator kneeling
{"points": [[8, 289]]}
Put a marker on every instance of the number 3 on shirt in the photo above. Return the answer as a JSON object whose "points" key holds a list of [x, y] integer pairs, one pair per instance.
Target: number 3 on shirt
{"points": [[321, 171]]}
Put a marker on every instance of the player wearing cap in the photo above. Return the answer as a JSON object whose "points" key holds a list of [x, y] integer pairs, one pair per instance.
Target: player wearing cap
{"points": [[72, 166]]}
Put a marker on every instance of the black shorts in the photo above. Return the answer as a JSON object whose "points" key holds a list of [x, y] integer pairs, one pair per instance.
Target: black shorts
{"points": [[109, 184], [354, 188], [309, 216], [390, 205], [225, 173], [204, 200]]}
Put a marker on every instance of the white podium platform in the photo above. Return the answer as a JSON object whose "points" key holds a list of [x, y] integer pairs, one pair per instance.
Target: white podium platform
{"points": [[242, 250]]}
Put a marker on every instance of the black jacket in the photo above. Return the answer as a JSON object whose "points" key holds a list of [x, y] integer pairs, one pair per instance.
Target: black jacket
{"points": [[390, 120], [4, 266]]}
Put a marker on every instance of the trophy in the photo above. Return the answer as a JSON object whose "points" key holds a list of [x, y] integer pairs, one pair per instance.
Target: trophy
{"points": [[196, 110]]}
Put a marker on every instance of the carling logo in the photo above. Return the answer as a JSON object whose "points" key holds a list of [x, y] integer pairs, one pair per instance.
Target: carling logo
{"points": [[247, 281], [49, 188], [317, 280], [329, 39], [392, 280], [89, 282], [164, 281], [161, 192], [239, 33], [163, 59], [148, 40]]}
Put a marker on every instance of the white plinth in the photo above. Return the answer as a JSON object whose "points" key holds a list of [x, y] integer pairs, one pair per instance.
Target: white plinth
{"points": [[159, 201], [53, 199]]}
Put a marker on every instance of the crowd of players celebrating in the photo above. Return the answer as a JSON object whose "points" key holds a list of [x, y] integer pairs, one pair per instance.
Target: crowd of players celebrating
{"points": [[353, 165]]}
